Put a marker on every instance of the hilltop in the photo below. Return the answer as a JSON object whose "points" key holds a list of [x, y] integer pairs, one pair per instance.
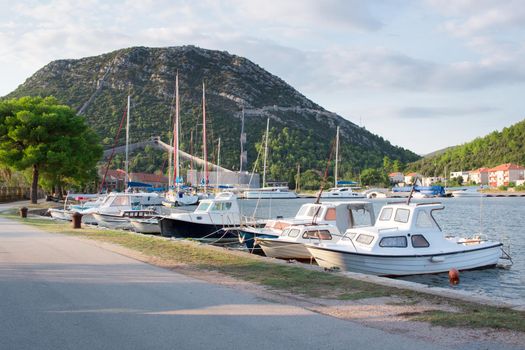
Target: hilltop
{"points": [[97, 87]]}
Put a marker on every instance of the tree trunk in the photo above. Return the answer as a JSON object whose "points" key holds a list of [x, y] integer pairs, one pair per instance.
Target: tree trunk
{"points": [[34, 186]]}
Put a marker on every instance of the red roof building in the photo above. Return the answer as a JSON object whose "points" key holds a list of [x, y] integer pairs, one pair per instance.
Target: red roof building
{"points": [[504, 174]]}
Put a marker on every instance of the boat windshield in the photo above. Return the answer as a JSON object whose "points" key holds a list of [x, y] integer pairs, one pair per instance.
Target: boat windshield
{"points": [[203, 206], [221, 206], [309, 211]]}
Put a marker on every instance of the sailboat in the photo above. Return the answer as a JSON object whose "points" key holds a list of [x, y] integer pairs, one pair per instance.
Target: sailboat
{"points": [[273, 191], [204, 194], [177, 195], [336, 191]]}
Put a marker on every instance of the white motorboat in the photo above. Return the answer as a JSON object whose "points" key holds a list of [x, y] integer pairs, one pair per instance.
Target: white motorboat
{"points": [[116, 202], [86, 201], [270, 192], [122, 219], [289, 245], [340, 214], [467, 193], [175, 198], [207, 222], [406, 240], [342, 192]]}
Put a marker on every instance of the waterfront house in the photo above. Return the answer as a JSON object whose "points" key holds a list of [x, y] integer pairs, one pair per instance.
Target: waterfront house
{"points": [[157, 181], [479, 176], [409, 178], [396, 178], [504, 174]]}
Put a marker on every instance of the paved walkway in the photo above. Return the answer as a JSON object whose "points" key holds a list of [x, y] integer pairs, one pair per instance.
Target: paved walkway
{"points": [[59, 292]]}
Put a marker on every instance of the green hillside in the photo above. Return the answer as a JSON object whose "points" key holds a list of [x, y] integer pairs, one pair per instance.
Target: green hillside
{"points": [[506, 146], [97, 87]]}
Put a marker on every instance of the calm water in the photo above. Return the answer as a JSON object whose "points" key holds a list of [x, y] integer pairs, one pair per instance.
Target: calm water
{"points": [[500, 219]]}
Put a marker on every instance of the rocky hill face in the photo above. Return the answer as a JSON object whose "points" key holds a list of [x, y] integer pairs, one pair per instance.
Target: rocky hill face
{"points": [[98, 86]]}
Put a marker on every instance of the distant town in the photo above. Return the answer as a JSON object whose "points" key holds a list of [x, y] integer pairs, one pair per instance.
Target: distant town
{"points": [[508, 174]]}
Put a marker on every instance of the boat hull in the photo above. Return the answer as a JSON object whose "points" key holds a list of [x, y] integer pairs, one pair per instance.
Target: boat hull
{"points": [[210, 233], [281, 249], [384, 265], [112, 221], [248, 238], [148, 226]]}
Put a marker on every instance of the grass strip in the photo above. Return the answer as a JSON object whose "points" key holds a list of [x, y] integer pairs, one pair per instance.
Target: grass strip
{"points": [[292, 279]]}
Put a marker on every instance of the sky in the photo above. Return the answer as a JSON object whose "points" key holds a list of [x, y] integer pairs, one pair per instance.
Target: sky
{"points": [[424, 74]]}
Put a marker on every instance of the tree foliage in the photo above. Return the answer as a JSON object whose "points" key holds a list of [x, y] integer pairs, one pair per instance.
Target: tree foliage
{"points": [[49, 138], [506, 146]]}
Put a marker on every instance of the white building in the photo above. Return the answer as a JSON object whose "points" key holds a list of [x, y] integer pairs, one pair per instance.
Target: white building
{"points": [[464, 175]]}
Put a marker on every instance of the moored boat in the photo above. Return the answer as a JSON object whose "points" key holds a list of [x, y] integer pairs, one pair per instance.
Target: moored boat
{"points": [[122, 219], [406, 240], [467, 193], [342, 192], [270, 193], [290, 244], [341, 214], [207, 222]]}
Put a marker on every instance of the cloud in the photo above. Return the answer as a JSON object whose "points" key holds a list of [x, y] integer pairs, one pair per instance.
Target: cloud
{"points": [[444, 112]]}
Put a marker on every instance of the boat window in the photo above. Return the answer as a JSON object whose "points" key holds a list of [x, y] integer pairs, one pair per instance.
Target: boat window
{"points": [[314, 210], [303, 210], [393, 242], [386, 214], [402, 215], [330, 214], [343, 189], [423, 220], [203, 206], [361, 217], [120, 201], [364, 239], [293, 233], [221, 206], [419, 241], [317, 234]]}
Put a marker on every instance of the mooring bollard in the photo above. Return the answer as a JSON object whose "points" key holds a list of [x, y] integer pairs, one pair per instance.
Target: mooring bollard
{"points": [[77, 220], [23, 212]]}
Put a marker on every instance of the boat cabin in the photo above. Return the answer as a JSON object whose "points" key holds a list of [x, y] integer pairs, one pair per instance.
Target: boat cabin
{"points": [[125, 201], [343, 215], [400, 226], [224, 202]]}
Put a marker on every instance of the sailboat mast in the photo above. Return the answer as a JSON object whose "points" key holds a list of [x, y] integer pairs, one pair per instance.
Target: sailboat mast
{"points": [[243, 141], [218, 160], [126, 180], [204, 149], [336, 155], [176, 168], [266, 151]]}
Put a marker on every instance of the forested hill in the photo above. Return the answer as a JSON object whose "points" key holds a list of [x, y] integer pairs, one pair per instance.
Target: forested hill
{"points": [[506, 146], [97, 87]]}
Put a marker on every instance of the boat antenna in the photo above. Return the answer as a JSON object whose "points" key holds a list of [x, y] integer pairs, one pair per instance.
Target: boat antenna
{"points": [[412, 190], [325, 173]]}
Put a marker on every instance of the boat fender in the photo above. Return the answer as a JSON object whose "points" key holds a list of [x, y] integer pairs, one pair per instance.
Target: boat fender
{"points": [[453, 276]]}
